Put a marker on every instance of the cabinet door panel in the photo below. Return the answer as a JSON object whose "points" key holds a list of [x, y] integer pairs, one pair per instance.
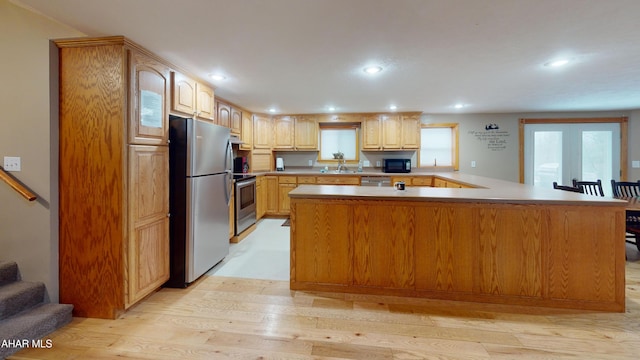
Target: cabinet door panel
{"points": [[149, 101], [148, 244], [205, 104], [236, 121], [371, 138], [183, 99], [391, 132], [224, 114]]}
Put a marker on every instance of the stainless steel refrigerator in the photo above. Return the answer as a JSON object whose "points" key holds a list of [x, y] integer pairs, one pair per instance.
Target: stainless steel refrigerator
{"points": [[200, 173]]}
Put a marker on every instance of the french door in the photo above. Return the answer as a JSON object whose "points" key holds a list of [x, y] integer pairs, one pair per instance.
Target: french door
{"points": [[564, 151]]}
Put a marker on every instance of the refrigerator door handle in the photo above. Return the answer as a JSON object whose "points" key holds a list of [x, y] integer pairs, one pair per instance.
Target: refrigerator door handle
{"points": [[228, 163]]}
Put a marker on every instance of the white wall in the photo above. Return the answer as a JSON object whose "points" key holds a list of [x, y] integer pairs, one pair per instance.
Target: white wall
{"points": [[495, 161], [28, 232]]}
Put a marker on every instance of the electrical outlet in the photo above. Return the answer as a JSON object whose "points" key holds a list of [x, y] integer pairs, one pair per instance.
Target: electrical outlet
{"points": [[310, 162], [635, 164], [473, 163], [366, 163], [11, 163], [378, 163]]}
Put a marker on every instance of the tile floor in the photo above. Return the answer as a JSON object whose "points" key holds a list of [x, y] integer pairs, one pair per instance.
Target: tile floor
{"points": [[263, 254]]}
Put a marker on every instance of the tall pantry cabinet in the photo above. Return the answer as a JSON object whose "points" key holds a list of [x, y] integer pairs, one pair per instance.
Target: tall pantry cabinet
{"points": [[113, 174]]}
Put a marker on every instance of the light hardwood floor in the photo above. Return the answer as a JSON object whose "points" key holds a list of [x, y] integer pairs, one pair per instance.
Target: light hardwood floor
{"points": [[235, 318]]}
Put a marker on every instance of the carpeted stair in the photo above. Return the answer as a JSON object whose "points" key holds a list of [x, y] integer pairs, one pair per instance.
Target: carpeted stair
{"points": [[25, 314]]}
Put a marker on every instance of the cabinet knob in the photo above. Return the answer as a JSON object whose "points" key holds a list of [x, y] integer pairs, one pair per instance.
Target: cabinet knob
{"points": [[168, 141], [168, 215]]}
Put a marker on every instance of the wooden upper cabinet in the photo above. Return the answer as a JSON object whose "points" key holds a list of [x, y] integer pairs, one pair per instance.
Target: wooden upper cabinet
{"points": [[191, 98], [306, 133], [371, 133], [261, 132], [183, 99], [411, 131], [205, 104], [283, 132], [224, 114], [236, 121], [149, 118], [391, 132], [246, 131]]}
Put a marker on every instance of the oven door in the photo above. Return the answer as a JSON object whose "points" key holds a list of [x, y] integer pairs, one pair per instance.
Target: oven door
{"points": [[245, 204]]}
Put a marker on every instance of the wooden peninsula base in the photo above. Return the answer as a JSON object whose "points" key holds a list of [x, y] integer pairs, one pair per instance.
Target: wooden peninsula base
{"points": [[563, 254]]}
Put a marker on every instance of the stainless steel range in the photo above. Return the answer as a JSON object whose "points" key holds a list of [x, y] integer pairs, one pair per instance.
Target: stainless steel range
{"points": [[245, 194]]}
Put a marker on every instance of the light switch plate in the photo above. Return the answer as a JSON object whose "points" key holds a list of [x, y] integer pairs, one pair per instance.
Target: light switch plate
{"points": [[473, 163], [635, 164], [378, 163], [366, 163], [310, 162], [11, 163]]}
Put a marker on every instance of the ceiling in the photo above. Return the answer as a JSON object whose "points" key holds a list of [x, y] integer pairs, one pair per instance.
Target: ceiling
{"points": [[302, 56]]}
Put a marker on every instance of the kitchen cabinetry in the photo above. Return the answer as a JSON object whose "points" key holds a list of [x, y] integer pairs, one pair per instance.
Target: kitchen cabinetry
{"points": [[283, 132], [306, 133], [371, 135], [391, 132], [295, 133], [113, 189], [261, 197], [148, 255], [150, 82], [306, 180], [285, 184], [414, 180], [411, 132], [272, 194], [437, 182], [236, 121], [191, 98], [261, 132], [338, 180], [246, 131], [224, 114]]}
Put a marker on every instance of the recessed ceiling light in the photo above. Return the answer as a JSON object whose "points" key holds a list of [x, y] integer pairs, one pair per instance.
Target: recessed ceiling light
{"points": [[373, 69], [217, 77], [392, 107], [458, 106], [556, 63], [272, 110], [331, 108]]}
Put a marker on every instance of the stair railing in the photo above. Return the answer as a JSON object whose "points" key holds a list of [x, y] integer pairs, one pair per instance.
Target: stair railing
{"points": [[16, 185]]}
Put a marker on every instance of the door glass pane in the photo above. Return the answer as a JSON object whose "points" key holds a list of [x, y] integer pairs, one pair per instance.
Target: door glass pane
{"points": [[597, 160], [547, 158]]}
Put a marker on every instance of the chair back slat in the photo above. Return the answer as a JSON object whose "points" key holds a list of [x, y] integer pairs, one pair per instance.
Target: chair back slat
{"points": [[590, 187], [625, 188]]}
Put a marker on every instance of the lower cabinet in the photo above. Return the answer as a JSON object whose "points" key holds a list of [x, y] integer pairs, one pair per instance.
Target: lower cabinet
{"points": [[272, 195], [261, 197], [285, 184], [148, 244]]}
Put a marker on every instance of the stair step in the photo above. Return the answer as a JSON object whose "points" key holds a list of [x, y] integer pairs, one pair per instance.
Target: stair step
{"points": [[18, 296], [33, 324], [8, 272]]}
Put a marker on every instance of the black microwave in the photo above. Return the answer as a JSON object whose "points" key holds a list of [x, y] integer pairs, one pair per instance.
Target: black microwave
{"points": [[396, 165]]}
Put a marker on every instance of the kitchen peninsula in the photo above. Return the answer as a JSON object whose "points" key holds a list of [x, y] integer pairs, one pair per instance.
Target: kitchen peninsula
{"points": [[501, 242]]}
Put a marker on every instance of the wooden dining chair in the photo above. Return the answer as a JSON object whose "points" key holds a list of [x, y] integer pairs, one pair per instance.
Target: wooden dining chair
{"points": [[568, 188], [625, 188], [590, 187]]}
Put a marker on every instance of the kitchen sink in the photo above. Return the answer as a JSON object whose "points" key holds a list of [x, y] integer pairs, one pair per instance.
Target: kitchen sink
{"points": [[344, 171]]}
